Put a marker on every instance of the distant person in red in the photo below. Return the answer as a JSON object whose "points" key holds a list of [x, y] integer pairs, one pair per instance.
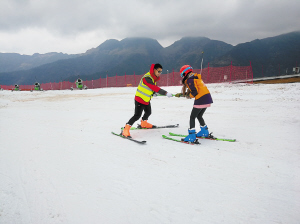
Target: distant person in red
{"points": [[145, 91], [197, 89]]}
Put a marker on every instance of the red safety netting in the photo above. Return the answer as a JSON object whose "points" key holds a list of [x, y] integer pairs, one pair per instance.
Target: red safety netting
{"points": [[231, 74]]}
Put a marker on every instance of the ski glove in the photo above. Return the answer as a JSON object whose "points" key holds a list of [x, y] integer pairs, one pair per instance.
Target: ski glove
{"points": [[169, 94]]}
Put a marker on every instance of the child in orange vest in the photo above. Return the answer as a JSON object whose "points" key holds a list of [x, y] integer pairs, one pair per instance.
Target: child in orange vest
{"points": [[198, 90]]}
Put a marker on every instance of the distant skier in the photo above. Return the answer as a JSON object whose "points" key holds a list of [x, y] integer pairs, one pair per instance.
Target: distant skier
{"points": [[145, 91], [194, 87]]}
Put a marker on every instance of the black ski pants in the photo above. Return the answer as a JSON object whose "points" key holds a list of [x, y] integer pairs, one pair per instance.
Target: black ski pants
{"points": [[197, 113], [139, 108]]}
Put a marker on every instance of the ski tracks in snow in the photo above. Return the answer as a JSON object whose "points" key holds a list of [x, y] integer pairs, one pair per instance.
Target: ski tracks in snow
{"points": [[31, 197], [41, 194]]}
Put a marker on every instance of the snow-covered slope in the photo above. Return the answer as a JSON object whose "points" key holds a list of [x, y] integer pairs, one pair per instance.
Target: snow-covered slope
{"points": [[60, 163]]}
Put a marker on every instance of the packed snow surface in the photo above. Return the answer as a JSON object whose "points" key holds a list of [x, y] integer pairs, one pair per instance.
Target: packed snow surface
{"points": [[60, 163]]}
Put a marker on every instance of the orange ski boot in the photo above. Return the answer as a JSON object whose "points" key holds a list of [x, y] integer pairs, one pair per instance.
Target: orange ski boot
{"points": [[145, 124], [125, 131]]}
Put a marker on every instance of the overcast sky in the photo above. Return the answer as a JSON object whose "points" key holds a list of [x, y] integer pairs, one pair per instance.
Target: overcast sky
{"points": [[74, 26]]}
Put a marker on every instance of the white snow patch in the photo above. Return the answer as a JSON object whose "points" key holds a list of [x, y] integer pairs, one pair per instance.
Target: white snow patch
{"points": [[59, 162]]}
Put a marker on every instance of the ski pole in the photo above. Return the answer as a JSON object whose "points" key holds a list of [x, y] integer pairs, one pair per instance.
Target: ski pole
{"points": [[201, 63]]}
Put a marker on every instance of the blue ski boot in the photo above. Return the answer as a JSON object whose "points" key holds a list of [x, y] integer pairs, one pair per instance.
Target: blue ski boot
{"points": [[191, 137], [203, 132]]}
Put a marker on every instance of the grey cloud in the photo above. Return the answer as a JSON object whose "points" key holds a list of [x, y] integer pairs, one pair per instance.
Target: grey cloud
{"points": [[233, 21]]}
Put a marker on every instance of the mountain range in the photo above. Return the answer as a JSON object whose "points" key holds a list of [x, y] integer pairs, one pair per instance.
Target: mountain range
{"points": [[270, 56]]}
